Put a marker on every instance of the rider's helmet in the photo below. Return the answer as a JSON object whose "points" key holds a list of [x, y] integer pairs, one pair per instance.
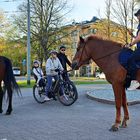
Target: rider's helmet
{"points": [[137, 13]]}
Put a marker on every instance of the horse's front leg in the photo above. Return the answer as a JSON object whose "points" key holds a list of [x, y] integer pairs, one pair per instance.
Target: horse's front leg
{"points": [[118, 102], [125, 108], [1, 99], [9, 110]]}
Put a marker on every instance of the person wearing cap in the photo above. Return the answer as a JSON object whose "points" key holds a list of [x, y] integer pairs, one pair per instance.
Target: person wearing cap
{"points": [[37, 71], [132, 68], [64, 60], [52, 66]]}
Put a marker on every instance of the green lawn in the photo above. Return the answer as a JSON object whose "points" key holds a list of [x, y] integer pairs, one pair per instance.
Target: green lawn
{"points": [[90, 82], [23, 84], [77, 81]]}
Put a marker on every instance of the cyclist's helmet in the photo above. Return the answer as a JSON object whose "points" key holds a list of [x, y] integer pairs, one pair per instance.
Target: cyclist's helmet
{"points": [[36, 62], [53, 52]]}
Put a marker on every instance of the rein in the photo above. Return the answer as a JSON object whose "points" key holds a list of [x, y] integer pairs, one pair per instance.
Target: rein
{"points": [[99, 57], [108, 54]]}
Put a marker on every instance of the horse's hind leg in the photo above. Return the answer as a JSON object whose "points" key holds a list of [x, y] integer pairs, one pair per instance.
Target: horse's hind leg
{"points": [[1, 99], [9, 110], [125, 108]]}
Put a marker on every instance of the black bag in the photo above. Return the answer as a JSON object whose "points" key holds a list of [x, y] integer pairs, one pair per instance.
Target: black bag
{"points": [[42, 82]]}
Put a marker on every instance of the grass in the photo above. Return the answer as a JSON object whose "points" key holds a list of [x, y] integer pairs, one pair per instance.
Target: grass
{"points": [[76, 80], [23, 84], [90, 82]]}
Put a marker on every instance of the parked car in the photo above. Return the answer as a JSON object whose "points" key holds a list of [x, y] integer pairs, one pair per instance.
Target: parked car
{"points": [[100, 75], [88, 74], [16, 71]]}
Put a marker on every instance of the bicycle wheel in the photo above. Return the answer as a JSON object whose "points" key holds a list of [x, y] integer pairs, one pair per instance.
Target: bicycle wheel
{"points": [[70, 93], [39, 94]]}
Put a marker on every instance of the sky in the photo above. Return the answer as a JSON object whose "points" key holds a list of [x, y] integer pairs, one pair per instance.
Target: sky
{"points": [[82, 9], [86, 9]]}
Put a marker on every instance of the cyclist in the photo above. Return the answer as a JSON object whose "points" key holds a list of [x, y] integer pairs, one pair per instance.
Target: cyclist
{"points": [[52, 66], [38, 73], [64, 60]]}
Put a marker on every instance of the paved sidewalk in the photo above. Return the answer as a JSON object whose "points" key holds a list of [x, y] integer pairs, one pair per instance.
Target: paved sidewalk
{"points": [[84, 120], [105, 94]]}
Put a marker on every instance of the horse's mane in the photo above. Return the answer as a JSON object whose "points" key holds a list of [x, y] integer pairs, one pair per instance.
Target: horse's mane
{"points": [[106, 41]]}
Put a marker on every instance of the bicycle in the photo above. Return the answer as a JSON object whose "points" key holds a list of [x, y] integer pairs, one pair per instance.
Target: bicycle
{"points": [[69, 90]]}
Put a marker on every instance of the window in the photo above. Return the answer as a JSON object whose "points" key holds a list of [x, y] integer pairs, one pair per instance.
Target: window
{"points": [[114, 34], [74, 33], [94, 31]]}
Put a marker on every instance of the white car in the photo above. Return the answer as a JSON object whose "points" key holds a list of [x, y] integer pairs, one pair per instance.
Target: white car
{"points": [[16, 71], [100, 75]]}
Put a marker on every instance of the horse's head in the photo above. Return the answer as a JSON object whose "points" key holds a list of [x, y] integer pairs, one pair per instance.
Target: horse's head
{"points": [[82, 55]]}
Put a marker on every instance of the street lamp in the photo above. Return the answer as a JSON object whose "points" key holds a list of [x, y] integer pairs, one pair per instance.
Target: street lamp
{"points": [[28, 45]]}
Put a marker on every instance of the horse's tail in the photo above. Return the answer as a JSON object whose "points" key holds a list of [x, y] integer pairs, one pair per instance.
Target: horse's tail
{"points": [[9, 80]]}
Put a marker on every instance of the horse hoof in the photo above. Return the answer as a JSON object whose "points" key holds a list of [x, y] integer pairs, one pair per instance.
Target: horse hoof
{"points": [[114, 128], [123, 126], [1, 111], [8, 112]]}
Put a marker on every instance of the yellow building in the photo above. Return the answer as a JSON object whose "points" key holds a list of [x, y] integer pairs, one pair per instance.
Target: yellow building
{"points": [[103, 28]]}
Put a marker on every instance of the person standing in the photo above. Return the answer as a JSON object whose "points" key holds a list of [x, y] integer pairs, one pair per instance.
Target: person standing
{"points": [[64, 60], [132, 68]]}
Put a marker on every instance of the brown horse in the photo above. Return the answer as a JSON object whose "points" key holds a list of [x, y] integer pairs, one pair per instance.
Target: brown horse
{"points": [[6, 75], [105, 54]]}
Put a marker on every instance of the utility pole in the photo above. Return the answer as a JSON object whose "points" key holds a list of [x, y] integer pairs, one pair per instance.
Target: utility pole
{"points": [[28, 45]]}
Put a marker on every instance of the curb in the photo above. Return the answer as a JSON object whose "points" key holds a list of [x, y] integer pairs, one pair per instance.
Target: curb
{"points": [[105, 101]]}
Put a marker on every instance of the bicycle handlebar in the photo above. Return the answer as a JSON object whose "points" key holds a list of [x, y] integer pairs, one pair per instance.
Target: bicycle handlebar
{"points": [[64, 71]]}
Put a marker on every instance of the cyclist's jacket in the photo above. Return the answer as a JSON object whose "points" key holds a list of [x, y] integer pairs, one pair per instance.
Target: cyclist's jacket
{"points": [[53, 64]]}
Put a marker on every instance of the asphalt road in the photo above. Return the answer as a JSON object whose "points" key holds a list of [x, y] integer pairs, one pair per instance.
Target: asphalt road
{"points": [[84, 120]]}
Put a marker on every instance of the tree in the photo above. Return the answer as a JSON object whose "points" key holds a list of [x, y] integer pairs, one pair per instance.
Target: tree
{"points": [[47, 16], [123, 12], [3, 24], [108, 15]]}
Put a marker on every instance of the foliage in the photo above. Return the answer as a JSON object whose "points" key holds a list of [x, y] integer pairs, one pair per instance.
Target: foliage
{"points": [[3, 24], [15, 51], [10, 45], [123, 12]]}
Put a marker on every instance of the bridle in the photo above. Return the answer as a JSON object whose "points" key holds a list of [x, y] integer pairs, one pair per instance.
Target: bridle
{"points": [[83, 48]]}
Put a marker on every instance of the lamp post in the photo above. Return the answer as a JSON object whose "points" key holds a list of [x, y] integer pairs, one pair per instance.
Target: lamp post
{"points": [[28, 45]]}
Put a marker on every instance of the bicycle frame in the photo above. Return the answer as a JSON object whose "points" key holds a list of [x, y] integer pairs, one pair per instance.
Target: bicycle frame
{"points": [[57, 84], [59, 88]]}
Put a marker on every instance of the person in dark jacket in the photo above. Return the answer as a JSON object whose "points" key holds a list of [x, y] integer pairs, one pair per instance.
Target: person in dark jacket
{"points": [[132, 67], [64, 60]]}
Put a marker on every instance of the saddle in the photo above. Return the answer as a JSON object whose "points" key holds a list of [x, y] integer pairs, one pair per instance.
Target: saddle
{"points": [[124, 55]]}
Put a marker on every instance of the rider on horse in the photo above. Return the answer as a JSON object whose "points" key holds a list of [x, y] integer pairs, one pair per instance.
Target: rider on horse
{"points": [[132, 67]]}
